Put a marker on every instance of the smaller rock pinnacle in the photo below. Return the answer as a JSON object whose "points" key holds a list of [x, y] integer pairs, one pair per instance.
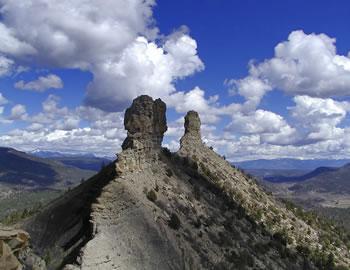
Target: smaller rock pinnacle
{"points": [[193, 124], [192, 134]]}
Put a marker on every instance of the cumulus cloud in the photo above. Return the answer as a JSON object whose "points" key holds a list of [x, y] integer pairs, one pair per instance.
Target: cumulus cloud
{"points": [[305, 64], [251, 88], [90, 31], [209, 108], [43, 83], [143, 68], [11, 45], [3, 100], [271, 127], [58, 128], [6, 65], [18, 112], [319, 118], [117, 42], [258, 122]]}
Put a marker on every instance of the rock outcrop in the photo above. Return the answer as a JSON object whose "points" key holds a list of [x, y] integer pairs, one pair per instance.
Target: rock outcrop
{"points": [[145, 122], [15, 253], [12, 242], [153, 209]]}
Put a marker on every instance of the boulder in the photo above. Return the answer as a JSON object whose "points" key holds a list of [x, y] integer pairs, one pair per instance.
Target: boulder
{"points": [[12, 242], [8, 261]]}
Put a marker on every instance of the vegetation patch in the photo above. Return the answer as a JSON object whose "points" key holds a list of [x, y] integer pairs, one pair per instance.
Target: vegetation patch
{"points": [[174, 222], [151, 195]]}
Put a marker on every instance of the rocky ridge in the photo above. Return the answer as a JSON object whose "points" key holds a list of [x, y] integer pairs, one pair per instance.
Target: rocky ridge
{"points": [[152, 209]]}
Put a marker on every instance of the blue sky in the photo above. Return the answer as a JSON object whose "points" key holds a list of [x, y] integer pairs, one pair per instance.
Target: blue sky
{"points": [[269, 78]]}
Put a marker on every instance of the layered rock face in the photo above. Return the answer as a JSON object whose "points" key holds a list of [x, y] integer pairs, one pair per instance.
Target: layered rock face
{"points": [[145, 122]]}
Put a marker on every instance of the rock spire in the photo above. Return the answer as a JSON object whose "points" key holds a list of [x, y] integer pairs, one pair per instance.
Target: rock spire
{"points": [[192, 129], [145, 121]]}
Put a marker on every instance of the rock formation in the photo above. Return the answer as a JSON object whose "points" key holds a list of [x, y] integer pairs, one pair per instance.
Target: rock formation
{"points": [[15, 252], [145, 122], [192, 129], [153, 209]]}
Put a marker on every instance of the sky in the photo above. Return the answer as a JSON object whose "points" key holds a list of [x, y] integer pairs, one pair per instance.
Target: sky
{"points": [[270, 79]]}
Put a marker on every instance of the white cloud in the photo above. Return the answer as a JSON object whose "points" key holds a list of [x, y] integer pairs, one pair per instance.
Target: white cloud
{"points": [[305, 64], [6, 65], [43, 83], [35, 127], [11, 45], [271, 127], [320, 118], [209, 109], [18, 112], [117, 42], [77, 33], [143, 68], [258, 122], [252, 88], [3, 100]]}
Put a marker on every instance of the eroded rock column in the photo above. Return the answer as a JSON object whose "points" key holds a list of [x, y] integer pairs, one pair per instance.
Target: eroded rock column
{"points": [[146, 124], [192, 134]]}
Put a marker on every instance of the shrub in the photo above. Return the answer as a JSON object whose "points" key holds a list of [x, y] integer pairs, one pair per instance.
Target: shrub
{"points": [[169, 172], [174, 222], [303, 250], [166, 152], [151, 195], [194, 165], [281, 237], [245, 259], [196, 192]]}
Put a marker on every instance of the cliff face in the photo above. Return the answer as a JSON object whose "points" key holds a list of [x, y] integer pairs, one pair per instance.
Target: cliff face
{"points": [[152, 209]]}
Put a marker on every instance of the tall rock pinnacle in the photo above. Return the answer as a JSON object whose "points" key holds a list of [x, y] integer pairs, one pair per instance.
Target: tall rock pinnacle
{"points": [[145, 121], [192, 129]]}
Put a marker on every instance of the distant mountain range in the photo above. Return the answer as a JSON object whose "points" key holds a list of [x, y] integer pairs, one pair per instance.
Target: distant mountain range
{"points": [[300, 178], [325, 180], [290, 164], [19, 168], [82, 161]]}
